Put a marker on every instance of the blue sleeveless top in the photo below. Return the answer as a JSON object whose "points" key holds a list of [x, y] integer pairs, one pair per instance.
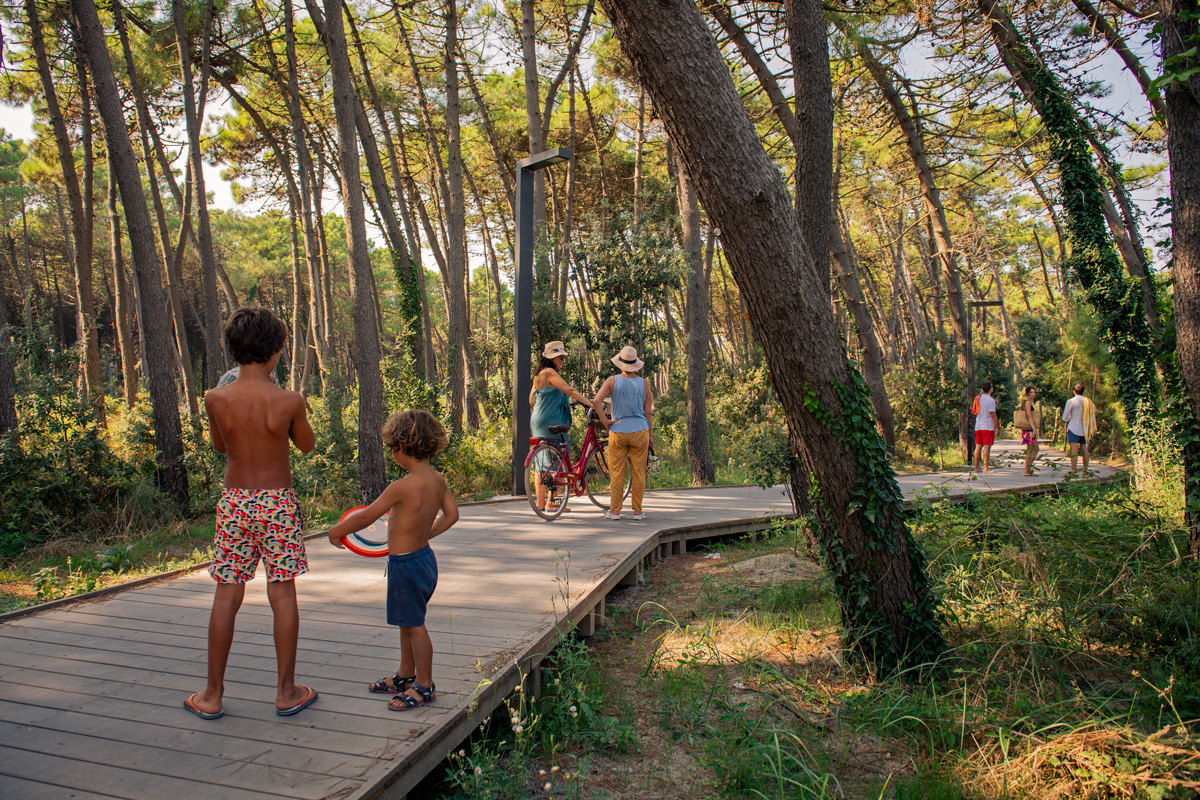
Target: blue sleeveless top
{"points": [[629, 405]]}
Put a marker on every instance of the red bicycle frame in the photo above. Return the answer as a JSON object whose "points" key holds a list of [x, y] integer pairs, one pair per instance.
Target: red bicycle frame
{"points": [[572, 475]]}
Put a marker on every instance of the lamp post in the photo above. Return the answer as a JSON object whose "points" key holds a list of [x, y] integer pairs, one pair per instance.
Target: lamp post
{"points": [[523, 308]]}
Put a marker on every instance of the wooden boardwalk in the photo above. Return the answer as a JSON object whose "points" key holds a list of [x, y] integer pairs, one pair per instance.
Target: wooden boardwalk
{"points": [[91, 692]]}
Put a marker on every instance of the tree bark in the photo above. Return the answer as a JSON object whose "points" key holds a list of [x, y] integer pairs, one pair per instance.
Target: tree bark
{"points": [[703, 472], [1180, 21], [171, 473], [215, 355], [121, 294], [372, 475], [914, 137], [809, 44], [875, 564], [872, 359], [456, 230], [8, 373], [312, 248], [1117, 42], [78, 243]]}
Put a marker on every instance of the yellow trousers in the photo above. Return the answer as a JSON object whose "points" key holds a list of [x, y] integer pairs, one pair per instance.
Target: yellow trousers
{"points": [[634, 448]]}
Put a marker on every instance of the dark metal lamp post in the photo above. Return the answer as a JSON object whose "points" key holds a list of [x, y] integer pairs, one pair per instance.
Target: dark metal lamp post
{"points": [[523, 308]]}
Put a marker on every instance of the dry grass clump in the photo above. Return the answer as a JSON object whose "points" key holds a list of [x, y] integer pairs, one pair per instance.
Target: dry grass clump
{"points": [[1095, 761]]}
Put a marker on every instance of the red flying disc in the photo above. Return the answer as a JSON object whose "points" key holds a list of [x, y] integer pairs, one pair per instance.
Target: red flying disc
{"points": [[371, 541]]}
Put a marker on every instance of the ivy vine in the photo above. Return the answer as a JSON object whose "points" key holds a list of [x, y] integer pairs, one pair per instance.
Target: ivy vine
{"points": [[411, 307], [1114, 296], [877, 500]]}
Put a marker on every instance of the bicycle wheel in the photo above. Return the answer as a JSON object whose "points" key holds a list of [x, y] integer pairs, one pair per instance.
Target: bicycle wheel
{"points": [[551, 474], [598, 480]]}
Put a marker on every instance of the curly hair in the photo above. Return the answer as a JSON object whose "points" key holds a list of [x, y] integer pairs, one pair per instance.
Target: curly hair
{"points": [[254, 334], [415, 432]]}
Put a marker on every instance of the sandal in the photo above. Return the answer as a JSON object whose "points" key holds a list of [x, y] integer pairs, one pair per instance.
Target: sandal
{"points": [[398, 685], [406, 702]]}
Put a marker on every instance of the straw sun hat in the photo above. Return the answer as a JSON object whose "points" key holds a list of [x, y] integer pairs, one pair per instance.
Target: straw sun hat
{"points": [[628, 360], [554, 350]]}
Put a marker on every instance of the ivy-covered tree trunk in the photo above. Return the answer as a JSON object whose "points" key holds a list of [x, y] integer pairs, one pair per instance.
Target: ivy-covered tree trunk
{"points": [[1180, 21], [878, 570], [170, 472], [1115, 298]]}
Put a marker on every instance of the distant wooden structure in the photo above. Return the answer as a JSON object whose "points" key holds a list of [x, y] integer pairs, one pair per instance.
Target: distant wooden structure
{"points": [[91, 692]]}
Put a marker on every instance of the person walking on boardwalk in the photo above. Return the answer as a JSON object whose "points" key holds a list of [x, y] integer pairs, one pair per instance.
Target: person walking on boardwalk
{"points": [[251, 420], [1029, 421], [550, 398], [632, 429], [986, 424], [412, 505], [1080, 415]]}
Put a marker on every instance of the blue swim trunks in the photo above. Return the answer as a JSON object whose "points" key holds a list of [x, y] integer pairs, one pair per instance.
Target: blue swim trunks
{"points": [[412, 578], [1075, 438]]}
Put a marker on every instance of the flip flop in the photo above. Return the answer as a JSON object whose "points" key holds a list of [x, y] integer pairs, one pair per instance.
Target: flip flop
{"points": [[192, 707], [303, 704]]}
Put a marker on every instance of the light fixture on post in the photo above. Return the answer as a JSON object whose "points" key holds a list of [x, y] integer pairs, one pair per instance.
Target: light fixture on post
{"points": [[523, 308]]}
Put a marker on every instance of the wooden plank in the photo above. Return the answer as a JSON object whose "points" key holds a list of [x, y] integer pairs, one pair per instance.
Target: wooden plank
{"points": [[382, 645], [205, 743], [21, 789], [81, 770], [116, 706]]}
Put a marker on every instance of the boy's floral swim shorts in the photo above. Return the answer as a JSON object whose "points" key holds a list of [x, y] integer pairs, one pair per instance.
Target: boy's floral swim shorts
{"points": [[254, 524]]}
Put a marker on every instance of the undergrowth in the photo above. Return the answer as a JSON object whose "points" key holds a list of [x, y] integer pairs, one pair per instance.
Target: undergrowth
{"points": [[1073, 667]]}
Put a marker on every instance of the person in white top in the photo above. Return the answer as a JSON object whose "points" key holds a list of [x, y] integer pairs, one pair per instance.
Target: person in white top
{"points": [[1078, 414], [986, 425]]}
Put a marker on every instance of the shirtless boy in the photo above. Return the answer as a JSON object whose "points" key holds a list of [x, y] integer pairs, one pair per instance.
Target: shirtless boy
{"points": [[412, 504], [258, 516]]}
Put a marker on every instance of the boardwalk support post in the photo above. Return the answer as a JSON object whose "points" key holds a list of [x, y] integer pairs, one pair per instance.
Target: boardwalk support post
{"points": [[633, 577]]}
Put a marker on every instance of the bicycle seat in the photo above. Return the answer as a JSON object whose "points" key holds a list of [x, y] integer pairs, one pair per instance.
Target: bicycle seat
{"points": [[559, 428]]}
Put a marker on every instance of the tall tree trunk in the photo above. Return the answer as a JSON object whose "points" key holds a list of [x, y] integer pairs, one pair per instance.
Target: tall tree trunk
{"points": [[1117, 42], [89, 334], [147, 131], [121, 292], [809, 45], [372, 475], [456, 230], [8, 374], [404, 265], [872, 360], [875, 564], [214, 362], [78, 243], [1180, 20], [1120, 310], [914, 136], [703, 472], [638, 148], [171, 473], [312, 248]]}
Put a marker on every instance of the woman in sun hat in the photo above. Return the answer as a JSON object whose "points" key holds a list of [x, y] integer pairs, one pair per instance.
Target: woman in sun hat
{"points": [[550, 398], [631, 430]]}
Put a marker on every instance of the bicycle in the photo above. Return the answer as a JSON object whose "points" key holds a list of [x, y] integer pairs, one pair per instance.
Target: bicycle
{"points": [[589, 474]]}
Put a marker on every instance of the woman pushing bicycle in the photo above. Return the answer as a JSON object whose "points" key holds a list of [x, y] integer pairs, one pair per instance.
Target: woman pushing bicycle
{"points": [[550, 398]]}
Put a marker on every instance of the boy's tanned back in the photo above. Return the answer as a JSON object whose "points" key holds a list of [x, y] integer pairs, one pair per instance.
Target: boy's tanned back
{"points": [[252, 422]]}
